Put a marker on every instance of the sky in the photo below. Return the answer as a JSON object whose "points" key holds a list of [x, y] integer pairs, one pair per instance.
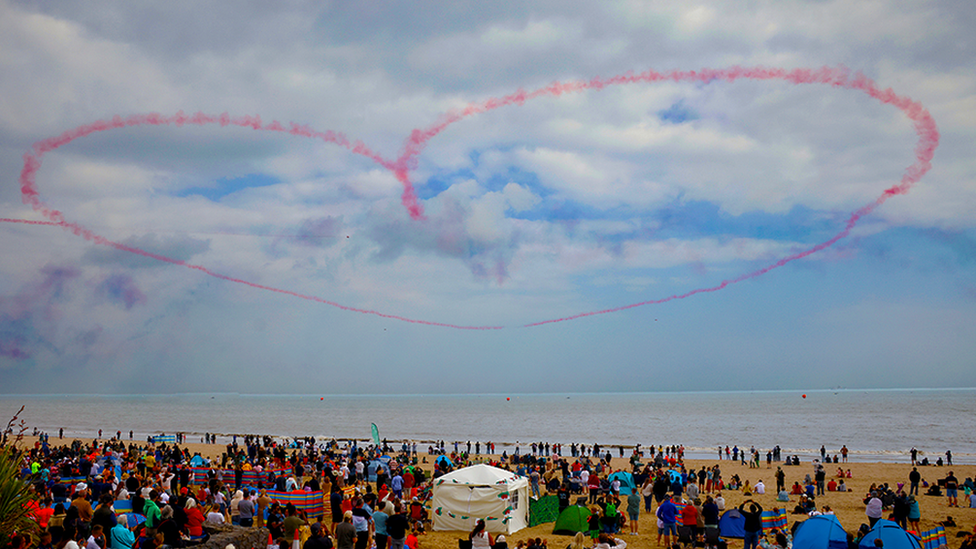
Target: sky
{"points": [[372, 215]]}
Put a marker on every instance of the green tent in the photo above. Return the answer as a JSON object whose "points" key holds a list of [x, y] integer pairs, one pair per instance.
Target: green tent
{"points": [[571, 520], [544, 509]]}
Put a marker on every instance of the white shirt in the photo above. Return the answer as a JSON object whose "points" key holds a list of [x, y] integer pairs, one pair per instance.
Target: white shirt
{"points": [[480, 541], [760, 488]]}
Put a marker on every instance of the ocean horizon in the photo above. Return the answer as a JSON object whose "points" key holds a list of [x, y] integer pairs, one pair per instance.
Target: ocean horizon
{"points": [[875, 424]]}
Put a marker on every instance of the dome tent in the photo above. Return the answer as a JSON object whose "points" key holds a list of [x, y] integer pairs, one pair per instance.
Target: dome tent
{"points": [[499, 497], [893, 536], [820, 532], [573, 519]]}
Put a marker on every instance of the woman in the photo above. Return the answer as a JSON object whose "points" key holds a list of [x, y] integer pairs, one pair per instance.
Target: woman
{"points": [[194, 518], [56, 524], [605, 541], [68, 538], [579, 541], [647, 490], [235, 512], [873, 509], [169, 528], [480, 539], [914, 513]]}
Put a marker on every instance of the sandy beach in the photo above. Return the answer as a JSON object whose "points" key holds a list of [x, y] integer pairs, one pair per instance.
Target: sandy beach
{"points": [[848, 507]]}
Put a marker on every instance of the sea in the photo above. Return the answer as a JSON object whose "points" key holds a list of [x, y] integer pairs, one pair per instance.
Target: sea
{"points": [[876, 425]]}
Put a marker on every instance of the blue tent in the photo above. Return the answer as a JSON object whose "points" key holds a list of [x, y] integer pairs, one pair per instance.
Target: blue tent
{"points": [[443, 459], [626, 482], [372, 467], [195, 461], [820, 532], [732, 524], [893, 536]]}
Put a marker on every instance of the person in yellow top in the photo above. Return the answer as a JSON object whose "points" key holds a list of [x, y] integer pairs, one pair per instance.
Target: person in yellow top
{"points": [[247, 466], [150, 461]]}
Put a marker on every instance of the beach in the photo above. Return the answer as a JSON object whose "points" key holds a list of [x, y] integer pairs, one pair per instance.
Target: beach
{"points": [[848, 507]]}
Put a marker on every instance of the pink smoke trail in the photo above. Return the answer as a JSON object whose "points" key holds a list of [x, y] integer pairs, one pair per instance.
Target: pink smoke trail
{"points": [[415, 143], [27, 221], [32, 163]]}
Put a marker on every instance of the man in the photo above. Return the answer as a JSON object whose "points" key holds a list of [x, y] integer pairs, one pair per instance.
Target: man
{"points": [[396, 527], [345, 532], [780, 479], [534, 482], [318, 539], [153, 515], [245, 509], [293, 522], [913, 479], [752, 524], [633, 510], [85, 511], [952, 489], [362, 520], [104, 515], [396, 484], [335, 503], [276, 522], [667, 514]]}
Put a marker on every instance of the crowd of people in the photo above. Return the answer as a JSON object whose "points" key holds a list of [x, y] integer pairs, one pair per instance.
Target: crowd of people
{"points": [[386, 507]]}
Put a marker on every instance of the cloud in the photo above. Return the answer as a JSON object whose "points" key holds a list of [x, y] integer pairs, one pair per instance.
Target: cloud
{"points": [[29, 319], [180, 248], [121, 288]]}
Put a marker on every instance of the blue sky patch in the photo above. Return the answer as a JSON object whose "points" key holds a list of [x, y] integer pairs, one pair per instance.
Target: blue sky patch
{"points": [[229, 185], [678, 113]]}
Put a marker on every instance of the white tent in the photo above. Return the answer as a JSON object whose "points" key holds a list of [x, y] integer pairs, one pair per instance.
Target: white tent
{"points": [[481, 492]]}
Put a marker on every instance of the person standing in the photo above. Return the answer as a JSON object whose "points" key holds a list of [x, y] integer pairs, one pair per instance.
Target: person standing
{"points": [[633, 510], [914, 455], [913, 479], [245, 510], [318, 539], [952, 489], [752, 524], [667, 514], [396, 527], [379, 524], [874, 509], [345, 532], [949, 457]]}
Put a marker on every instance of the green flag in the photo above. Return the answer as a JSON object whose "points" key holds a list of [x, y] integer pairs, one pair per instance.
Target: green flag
{"points": [[376, 435]]}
